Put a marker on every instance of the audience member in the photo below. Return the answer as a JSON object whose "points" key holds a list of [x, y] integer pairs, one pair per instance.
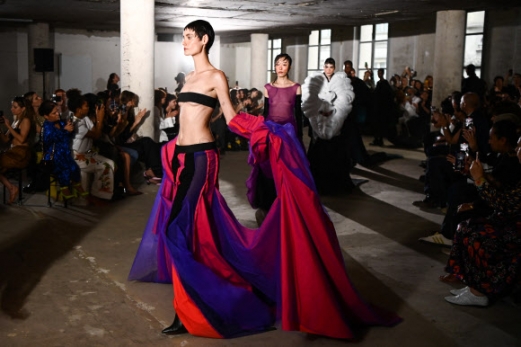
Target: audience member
{"points": [[486, 250], [85, 131], [19, 137], [56, 138]]}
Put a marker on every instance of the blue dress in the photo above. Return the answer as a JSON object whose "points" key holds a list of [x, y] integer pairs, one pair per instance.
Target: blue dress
{"points": [[65, 168]]}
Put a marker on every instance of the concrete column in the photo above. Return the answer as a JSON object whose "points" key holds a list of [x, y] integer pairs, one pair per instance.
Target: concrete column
{"points": [[39, 37], [137, 58], [259, 57], [448, 54]]}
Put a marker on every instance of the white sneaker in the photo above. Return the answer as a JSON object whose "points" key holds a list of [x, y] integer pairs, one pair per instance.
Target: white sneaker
{"points": [[437, 239], [467, 299], [459, 291]]}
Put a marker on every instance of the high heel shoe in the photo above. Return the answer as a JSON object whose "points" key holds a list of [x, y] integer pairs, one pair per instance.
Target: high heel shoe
{"points": [[78, 190], [177, 328], [64, 190]]}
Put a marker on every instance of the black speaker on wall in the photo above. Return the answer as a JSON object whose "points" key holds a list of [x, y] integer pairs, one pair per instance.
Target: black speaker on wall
{"points": [[43, 59]]}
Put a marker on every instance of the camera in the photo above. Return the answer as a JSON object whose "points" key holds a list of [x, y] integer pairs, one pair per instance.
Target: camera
{"points": [[459, 165], [56, 98], [469, 123], [113, 106], [100, 102]]}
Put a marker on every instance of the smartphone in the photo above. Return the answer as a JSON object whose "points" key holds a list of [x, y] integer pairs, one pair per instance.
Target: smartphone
{"points": [[459, 165]]}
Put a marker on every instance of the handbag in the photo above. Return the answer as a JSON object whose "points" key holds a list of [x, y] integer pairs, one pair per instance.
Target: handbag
{"points": [[47, 165], [41, 177]]}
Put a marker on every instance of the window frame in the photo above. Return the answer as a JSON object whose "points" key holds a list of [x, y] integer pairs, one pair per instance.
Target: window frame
{"points": [[319, 67], [271, 55], [360, 69], [479, 71]]}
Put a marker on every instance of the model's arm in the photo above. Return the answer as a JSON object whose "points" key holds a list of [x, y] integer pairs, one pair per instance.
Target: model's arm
{"points": [[221, 87], [298, 112]]}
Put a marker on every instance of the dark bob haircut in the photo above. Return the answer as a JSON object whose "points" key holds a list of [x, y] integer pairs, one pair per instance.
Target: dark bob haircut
{"points": [[283, 56], [330, 61], [201, 28]]}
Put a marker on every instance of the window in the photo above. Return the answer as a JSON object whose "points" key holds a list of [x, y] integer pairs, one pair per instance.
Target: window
{"points": [[475, 28], [274, 49], [319, 49], [373, 48]]}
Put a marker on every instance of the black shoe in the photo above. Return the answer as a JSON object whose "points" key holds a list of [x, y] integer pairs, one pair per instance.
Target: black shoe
{"points": [[177, 328]]}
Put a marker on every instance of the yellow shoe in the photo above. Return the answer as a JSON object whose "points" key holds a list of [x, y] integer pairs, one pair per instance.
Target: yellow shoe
{"points": [[66, 193], [78, 190]]}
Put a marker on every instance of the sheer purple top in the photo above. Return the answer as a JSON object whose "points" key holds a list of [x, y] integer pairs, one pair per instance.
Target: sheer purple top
{"points": [[282, 104]]}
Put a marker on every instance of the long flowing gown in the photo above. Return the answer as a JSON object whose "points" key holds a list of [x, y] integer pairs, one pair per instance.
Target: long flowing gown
{"points": [[281, 105], [230, 280]]}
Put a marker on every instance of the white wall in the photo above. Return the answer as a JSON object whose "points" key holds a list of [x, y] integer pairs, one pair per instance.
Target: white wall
{"points": [[14, 74], [235, 62], [86, 60]]}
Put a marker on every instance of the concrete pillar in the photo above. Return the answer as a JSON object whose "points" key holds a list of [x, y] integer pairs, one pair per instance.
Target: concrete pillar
{"points": [[448, 54], [39, 37], [259, 58], [137, 58]]}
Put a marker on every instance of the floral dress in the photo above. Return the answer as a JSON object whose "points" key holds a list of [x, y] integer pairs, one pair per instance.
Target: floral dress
{"points": [[486, 251]]}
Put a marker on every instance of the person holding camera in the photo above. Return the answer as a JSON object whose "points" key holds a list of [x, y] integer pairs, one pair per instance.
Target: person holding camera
{"points": [[490, 267], [19, 138], [56, 138]]}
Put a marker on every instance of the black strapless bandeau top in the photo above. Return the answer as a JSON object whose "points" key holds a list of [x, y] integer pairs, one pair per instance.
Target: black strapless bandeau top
{"points": [[197, 98]]}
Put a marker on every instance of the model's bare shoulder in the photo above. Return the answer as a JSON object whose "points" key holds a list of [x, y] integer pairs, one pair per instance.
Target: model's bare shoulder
{"points": [[189, 76]]}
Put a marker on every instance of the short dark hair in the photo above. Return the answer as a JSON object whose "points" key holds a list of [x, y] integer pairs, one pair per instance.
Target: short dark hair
{"points": [[348, 62], [201, 28], [284, 56], [507, 129], [76, 102], [499, 78], [471, 69], [46, 107], [330, 61]]}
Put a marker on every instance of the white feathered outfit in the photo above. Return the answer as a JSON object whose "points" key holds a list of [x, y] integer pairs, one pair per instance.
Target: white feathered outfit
{"points": [[327, 104]]}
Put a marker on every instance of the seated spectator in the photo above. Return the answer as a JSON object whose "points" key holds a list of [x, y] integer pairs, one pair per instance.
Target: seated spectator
{"points": [[463, 198], [159, 104], [486, 251], [148, 151], [19, 137], [181, 80], [254, 104], [170, 123], [56, 139], [499, 91], [105, 146], [85, 132]]}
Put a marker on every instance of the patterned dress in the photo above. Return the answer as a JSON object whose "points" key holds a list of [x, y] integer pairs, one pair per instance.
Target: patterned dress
{"points": [[57, 147], [486, 251]]}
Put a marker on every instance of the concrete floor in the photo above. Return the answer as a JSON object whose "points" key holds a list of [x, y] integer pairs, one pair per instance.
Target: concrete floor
{"points": [[63, 271]]}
